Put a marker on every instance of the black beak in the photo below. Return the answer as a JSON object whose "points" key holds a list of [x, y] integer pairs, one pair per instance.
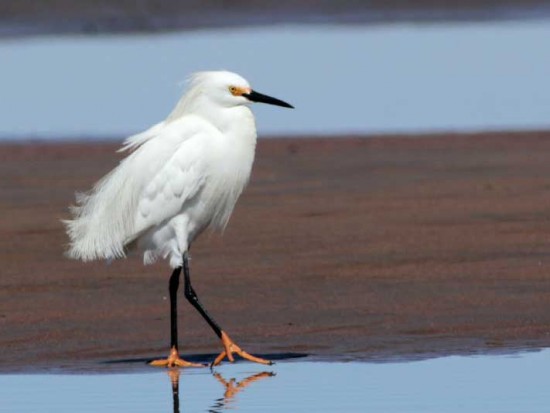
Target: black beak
{"points": [[258, 97]]}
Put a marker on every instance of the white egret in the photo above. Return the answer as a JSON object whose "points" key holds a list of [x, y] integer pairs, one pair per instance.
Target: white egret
{"points": [[182, 175]]}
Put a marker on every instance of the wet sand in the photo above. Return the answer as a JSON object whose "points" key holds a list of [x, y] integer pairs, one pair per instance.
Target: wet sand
{"points": [[344, 248]]}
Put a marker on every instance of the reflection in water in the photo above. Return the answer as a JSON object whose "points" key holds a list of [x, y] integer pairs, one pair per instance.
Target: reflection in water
{"points": [[175, 379], [446, 384], [231, 386]]}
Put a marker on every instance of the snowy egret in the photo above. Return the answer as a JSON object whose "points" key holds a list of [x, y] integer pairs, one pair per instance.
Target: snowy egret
{"points": [[182, 175]]}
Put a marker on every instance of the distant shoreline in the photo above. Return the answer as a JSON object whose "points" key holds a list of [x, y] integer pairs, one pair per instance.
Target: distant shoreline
{"points": [[116, 139], [63, 17]]}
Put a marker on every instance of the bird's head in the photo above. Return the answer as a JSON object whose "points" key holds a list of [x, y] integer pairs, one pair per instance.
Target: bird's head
{"points": [[229, 89]]}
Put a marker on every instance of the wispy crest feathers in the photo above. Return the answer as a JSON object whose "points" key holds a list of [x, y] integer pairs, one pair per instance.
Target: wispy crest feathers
{"points": [[185, 105], [195, 84]]}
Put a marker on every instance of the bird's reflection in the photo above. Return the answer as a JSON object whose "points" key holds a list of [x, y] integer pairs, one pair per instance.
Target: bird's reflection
{"points": [[175, 379], [231, 388]]}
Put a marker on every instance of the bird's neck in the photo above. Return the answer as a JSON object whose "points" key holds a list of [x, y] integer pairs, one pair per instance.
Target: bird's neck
{"points": [[236, 122]]}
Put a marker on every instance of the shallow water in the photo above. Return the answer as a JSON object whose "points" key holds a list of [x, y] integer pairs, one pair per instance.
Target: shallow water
{"points": [[342, 79], [505, 383]]}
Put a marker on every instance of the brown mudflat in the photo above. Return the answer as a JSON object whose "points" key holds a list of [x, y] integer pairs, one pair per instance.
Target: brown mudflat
{"points": [[341, 248]]}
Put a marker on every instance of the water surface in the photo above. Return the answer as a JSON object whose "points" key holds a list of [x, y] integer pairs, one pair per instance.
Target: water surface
{"points": [[395, 78], [506, 383]]}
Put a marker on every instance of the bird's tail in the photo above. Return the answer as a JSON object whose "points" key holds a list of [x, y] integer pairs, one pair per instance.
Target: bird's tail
{"points": [[102, 221]]}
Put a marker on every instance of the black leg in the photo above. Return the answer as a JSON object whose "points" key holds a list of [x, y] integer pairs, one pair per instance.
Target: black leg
{"points": [[174, 359], [192, 297], [174, 284], [229, 345]]}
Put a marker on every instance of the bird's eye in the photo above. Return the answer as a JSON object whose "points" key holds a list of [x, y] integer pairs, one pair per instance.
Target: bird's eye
{"points": [[234, 91]]}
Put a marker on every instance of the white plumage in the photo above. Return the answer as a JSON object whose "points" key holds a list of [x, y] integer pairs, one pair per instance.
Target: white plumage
{"points": [[182, 176]]}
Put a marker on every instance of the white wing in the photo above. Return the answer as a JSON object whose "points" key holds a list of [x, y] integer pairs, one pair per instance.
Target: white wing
{"points": [[146, 188], [177, 182]]}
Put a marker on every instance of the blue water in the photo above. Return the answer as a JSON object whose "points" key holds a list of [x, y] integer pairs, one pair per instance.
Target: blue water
{"points": [[506, 383], [394, 78]]}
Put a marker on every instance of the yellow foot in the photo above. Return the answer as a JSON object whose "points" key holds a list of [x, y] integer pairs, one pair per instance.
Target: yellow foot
{"points": [[174, 360], [230, 347]]}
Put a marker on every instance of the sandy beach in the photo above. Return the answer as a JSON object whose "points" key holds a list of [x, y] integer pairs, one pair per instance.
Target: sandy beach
{"points": [[348, 248]]}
